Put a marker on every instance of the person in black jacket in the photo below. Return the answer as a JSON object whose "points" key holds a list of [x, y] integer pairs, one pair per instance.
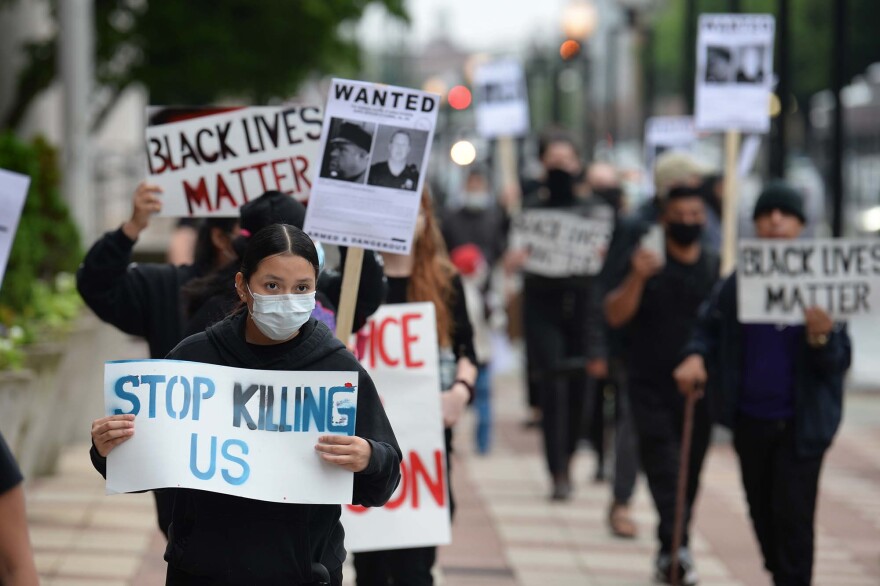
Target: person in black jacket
{"points": [[144, 299], [564, 327], [222, 539], [16, 556], [780, 389]]}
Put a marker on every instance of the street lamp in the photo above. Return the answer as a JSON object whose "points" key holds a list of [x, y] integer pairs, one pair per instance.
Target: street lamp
{"points": [[579, 21]]}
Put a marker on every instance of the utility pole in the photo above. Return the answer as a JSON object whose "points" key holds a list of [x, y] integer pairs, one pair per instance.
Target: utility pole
{"points": [[838, 76], [76, 51]]}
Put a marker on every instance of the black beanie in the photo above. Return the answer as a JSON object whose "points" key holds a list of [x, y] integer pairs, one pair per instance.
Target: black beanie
{"points": [[779, 195], [273, 207]]}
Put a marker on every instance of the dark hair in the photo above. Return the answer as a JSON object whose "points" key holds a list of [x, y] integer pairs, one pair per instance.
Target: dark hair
{"points": [[277, 239], [554, 136], [205, 253]]}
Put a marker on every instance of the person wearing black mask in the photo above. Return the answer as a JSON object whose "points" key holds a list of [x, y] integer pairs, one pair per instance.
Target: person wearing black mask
{"points": [[657, 304], [562, 317]]}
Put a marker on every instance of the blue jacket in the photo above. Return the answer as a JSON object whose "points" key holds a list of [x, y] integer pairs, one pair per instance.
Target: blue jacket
{"points": [[819, 372]]}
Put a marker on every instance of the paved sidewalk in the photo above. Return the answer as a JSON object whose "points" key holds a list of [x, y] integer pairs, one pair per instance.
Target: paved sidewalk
{"points": [[506, 532]]}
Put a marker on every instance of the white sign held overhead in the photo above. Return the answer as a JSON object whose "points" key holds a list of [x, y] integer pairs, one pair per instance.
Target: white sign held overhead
{"points": [[501, 102], [778, 279], [13, 191], [666, 133], [734, 72], [236, 431], [399, 349], [375, 144], [563, 243], [209, 166]]}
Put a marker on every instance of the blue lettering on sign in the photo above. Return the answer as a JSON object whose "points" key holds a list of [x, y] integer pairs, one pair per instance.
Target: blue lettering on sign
{"points": [[313, 409], [194, 392], [211, 470], [126, 396]]}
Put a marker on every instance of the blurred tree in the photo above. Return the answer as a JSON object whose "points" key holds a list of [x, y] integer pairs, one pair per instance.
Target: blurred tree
{"points": [[198, 51], [810, 41]]}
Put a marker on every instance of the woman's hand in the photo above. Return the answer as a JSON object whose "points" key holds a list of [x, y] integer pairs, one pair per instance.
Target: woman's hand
{"points": [[109, 432], [351, 452], [146, 202], [453, 403]]}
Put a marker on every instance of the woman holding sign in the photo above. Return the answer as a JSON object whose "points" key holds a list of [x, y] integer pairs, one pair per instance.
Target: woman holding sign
{"points": [[427, 274], [222, 539]]}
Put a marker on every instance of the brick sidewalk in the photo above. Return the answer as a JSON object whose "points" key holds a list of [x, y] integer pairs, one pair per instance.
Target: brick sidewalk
{"points": [[506, 532]]}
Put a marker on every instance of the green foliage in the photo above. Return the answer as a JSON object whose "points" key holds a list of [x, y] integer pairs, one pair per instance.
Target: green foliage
{"points": [[197, 52], [810, 41], [47, 242]]}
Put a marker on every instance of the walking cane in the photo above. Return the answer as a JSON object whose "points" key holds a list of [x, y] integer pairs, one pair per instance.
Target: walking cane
{"points": [[681, 492]]}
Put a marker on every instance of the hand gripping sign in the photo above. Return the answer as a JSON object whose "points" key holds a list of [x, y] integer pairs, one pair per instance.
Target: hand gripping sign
{"points": [[248, 433], [400, 353]]}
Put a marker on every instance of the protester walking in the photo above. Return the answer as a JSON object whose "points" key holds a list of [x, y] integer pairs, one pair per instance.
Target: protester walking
{"points": [[427, 275], [562, 316], [780, 389], [17, 566], [657, 303], [222, 539]]}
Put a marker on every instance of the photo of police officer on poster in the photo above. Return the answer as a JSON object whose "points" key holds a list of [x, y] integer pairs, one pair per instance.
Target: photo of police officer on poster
{"points": [[399, 151]]}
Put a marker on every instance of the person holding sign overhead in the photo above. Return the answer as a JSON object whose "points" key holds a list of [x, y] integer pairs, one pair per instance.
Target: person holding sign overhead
{"points": [[780, 389], [426, 274], [657, 302], [217, 538]]}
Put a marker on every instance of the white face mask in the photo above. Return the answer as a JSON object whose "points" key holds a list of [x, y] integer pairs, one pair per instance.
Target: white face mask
{"points": [[281, 316]]}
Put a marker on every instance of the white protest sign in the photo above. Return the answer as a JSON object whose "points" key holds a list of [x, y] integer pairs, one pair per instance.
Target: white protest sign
{"points": [[778, 279], [212, 165], [734, 72], [400, 353], [563, 243], [13, 190], [666, 133], [237, 431], [501, 102], [375, 143]]}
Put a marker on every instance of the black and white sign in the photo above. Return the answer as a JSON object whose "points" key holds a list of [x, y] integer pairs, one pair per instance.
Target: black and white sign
{"points": [[778, 279], [562, 244], [501, 102], [734, 72], [375, 143]]}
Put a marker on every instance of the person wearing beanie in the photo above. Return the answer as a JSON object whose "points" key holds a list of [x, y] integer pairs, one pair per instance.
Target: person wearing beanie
{"points": [[779, 388], [209, 300]]}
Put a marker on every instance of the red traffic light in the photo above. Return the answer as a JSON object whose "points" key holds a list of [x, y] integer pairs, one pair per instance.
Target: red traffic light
{"points": [[459, 97]]}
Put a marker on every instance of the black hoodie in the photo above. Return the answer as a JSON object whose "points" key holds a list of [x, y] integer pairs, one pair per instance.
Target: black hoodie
{"points": [[235, 540]]}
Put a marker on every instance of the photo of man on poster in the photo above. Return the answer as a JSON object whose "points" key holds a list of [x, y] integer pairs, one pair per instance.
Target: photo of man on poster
{"points": [[398, 171], [348, 152]]}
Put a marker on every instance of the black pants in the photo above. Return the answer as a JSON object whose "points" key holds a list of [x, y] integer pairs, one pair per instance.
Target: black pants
{"points": [[781, 490], [164, 508], [555, 353], [175, 577], [398, 567], [659, 414]]}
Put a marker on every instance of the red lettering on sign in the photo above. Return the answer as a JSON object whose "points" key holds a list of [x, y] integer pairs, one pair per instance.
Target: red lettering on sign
{"points": [[197, 195], [409, 340], [380, 342], [413, 472]]}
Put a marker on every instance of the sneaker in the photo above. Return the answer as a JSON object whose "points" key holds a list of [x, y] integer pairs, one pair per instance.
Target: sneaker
{"points": [[687, 573], [620, 522]]}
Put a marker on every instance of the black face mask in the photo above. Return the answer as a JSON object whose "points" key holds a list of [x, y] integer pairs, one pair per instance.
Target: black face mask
{"points": [[684, 234], [613, 196], [560, 184]]}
